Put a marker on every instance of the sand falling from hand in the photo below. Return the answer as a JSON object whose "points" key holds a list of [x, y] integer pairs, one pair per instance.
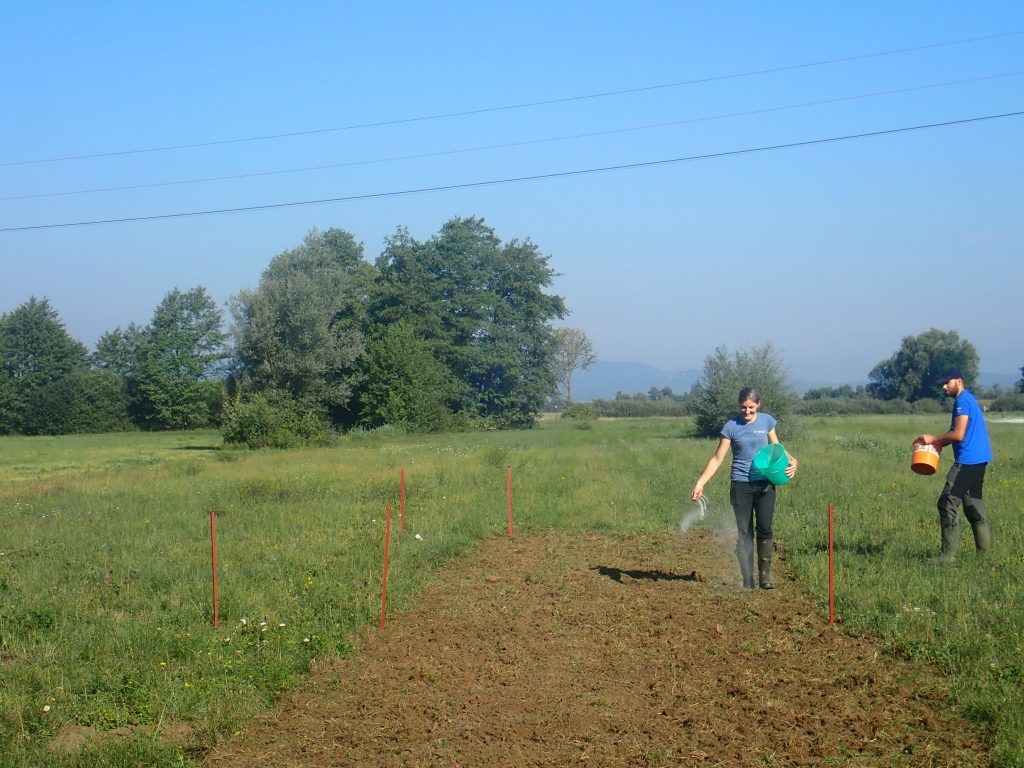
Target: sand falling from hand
{"points": [[692, 514]]}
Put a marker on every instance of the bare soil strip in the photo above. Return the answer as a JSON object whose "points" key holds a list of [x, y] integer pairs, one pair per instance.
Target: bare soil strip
{"points": [[594, 650]]}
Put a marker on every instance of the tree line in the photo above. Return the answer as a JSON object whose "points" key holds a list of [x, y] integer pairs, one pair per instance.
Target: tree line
{"points": [[449, 333], [906, 382]]}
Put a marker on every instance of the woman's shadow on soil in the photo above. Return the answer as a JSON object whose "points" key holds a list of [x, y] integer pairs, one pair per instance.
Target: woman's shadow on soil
{"points": [[616, 574]]}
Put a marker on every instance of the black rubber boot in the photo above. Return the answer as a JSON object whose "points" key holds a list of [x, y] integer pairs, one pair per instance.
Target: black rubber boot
{"points": [[950, 540], [982, 536], [764, 564], [745, 554]]}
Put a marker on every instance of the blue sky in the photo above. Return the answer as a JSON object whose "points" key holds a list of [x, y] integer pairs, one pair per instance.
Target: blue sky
{"points": [[832, 251]]}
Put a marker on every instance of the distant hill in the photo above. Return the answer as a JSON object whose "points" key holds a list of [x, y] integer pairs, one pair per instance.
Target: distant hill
{"points": [[605, 379]]}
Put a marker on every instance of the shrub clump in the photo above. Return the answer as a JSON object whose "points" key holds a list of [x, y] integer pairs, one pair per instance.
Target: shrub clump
{"points": [[259, 421], [859, 406], [630, 407], [1013, 402], [725, 375], [578, 411]]}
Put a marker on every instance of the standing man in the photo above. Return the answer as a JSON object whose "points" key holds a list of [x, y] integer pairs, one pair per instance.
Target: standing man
{"points": [[971, 455]]}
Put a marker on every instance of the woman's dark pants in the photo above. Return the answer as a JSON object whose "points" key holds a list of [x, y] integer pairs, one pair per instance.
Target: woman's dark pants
{"points": [[753, 504]]}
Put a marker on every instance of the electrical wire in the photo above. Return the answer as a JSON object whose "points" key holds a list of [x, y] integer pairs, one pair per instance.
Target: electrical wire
{"points": [[514, 180], [525, 105], [508, 145]]}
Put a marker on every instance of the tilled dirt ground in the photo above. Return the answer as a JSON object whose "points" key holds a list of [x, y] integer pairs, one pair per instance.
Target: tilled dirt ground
{"points": [[592, 650]]}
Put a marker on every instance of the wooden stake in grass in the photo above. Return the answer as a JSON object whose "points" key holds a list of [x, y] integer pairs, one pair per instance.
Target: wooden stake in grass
{"points": [[508, 483], [213, 558], [831, 573], [401, 497], [384, 581]]}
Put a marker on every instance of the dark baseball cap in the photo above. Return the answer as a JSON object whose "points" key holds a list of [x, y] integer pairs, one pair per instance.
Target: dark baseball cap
{"points": [[950, 373]]}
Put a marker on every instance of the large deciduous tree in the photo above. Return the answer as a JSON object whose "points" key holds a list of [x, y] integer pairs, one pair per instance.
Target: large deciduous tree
{"points": [[912, 373], [117, 351], [86, 400], [480, 307], [725, 375], [573, 352], [403, 384], [170, 361], [298, 334], [35, 352]]}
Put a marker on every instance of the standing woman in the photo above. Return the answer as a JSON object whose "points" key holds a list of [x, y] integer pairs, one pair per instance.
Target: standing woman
{"points": [[751, 494]]}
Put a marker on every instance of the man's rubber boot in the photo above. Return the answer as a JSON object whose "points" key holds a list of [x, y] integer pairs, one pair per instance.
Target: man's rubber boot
{"points": [[764, 563], [745, 554], [950, 540], [982, 536]]}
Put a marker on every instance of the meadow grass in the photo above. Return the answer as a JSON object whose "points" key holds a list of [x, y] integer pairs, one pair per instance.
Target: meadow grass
{"points": [[968, 618], [105, 574]]}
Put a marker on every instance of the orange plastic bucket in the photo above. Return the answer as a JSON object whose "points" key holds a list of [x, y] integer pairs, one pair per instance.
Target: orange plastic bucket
{"points": [[925, 460]]}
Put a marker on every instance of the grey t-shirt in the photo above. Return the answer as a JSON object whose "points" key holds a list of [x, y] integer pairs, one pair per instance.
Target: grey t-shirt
{"points": [[746, 440]]}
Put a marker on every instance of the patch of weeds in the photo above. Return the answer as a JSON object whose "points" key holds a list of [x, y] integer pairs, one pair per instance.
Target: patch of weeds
{"points": [[494, 456], [30, 620], [658, 756], [189, 468], [870, 445], [275, 490]]}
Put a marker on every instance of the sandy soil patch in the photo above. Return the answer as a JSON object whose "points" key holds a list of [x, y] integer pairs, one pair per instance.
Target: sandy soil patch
{"points": [[592, 650]]}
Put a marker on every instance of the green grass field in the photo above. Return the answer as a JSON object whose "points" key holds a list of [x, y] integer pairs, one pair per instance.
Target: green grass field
{"points": [[105, 573]]}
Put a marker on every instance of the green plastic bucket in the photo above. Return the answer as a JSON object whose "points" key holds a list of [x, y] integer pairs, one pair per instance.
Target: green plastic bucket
{"points": [[771, 461]]}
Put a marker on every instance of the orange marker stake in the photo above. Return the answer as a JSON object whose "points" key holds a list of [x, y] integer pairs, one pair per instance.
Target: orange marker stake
{"points": [[831, 572], [508, 482], [401, 496], [213, 552], [384, 581]]}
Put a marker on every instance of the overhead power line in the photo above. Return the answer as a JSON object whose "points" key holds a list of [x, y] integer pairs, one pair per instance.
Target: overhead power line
{"points": [[524, 105], [508, 145], [518, 179]]}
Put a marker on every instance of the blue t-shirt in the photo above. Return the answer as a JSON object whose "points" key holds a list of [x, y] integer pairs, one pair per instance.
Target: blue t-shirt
{"points": [[746, 440], [974, 448]]}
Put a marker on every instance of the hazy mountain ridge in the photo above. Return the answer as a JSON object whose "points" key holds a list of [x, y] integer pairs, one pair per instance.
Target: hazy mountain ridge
{"points": [[606, 378]]}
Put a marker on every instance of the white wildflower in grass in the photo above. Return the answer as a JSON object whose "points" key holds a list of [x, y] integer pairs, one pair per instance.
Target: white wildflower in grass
{"points": [[46, 708], [418, 537], [917, 609], [281, 625], [244, 621], [305, 639]]}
